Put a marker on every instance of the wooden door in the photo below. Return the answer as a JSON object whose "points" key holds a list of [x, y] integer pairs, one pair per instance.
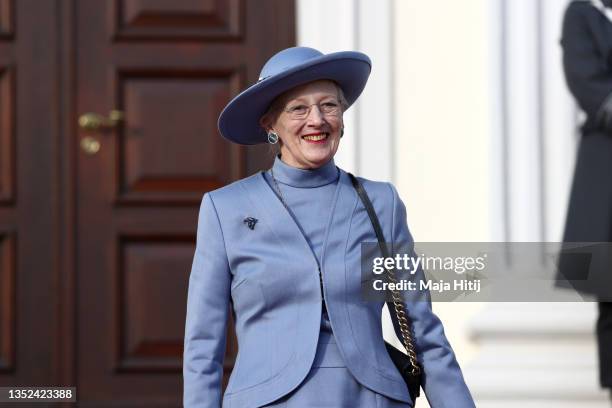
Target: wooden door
{"points": [[168, 67]]}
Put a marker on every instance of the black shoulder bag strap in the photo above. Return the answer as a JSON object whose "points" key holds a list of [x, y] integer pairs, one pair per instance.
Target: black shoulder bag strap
{"points": [[408, 365]]}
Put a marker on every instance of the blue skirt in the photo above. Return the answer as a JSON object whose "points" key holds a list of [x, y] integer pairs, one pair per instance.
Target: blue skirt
{"points": [[330, 384]]}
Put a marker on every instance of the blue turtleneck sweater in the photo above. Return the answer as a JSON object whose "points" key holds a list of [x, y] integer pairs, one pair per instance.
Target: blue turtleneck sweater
{"points": [[308, 194]]}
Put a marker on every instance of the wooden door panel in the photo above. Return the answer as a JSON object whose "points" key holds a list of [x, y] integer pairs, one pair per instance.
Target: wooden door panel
{"points": [[178, 20], [152, 276], [169, 148]]}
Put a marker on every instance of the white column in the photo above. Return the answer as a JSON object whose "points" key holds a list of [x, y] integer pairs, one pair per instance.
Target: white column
{"points": [[375, 122], [522, 136]]}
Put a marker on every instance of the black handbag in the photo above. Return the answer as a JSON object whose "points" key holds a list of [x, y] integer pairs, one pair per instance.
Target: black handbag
{"points": [[406, 364]]}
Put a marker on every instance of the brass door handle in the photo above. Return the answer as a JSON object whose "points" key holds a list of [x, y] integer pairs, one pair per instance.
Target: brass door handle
{"points": [[94, 121], [90, 145]]}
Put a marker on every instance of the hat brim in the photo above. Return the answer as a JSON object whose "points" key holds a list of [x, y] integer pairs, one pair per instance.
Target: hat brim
{"points": [[239, 121]]}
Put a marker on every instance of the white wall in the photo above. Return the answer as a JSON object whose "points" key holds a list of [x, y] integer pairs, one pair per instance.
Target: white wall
{"points": [[442, 118]]}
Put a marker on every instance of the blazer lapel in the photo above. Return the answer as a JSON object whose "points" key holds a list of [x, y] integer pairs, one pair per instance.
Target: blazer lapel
{"points": [[276, 217]]}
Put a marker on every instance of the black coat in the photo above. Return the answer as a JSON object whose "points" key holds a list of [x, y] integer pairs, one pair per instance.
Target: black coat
{"points": [[587, 61]]}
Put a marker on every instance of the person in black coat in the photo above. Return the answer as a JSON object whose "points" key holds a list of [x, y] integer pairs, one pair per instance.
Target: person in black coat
{"points": [[587, 61]]}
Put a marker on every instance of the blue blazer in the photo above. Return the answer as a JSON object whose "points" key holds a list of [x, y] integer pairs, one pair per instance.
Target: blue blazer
{"points": [[270, 277]]}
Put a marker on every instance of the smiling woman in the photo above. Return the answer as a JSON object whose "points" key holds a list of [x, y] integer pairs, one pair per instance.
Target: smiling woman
{"points": [[282, 247], [308, 121]]}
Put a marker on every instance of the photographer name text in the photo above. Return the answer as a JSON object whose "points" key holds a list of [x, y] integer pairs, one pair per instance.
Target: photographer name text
{"points": [[461, 285]]}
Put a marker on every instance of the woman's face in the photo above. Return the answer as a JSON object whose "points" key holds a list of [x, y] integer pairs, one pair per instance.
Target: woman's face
{"points": [[309, 124]]}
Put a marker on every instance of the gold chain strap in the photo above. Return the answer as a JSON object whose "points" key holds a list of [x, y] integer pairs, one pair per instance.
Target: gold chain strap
{"points": [[400, 313]]}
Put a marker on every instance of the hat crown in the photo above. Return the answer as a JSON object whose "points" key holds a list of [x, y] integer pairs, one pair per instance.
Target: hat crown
{"points": [[287, 59]]}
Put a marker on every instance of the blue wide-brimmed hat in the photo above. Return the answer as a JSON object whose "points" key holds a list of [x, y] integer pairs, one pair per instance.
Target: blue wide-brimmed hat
{"points": [[239, 121]]}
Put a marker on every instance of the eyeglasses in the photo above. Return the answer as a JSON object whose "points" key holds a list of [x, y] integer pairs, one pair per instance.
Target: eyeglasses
{"points": [[301, 111]]}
